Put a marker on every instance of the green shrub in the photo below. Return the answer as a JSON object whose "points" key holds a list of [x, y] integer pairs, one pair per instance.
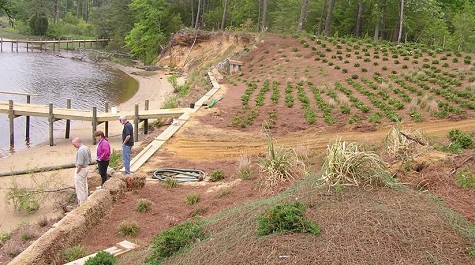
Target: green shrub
{"points": [[128, 228], [101, 258], [463, 139], [216, 175], [175, 239], [465, 178], [74, 253], [286, 217], [115, 159], [143, 205]]}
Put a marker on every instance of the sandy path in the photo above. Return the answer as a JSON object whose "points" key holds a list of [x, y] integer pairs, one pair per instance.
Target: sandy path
{"points": [[154, 88]]}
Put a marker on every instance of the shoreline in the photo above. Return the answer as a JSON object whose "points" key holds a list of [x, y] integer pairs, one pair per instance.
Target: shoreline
{"points": [[154, 88]]}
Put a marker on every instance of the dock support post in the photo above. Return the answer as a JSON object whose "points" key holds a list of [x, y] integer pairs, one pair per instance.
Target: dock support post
{"points": [[145, 122], [136, 123], [16, 45], [106, 125], [50, 120], [1, 44], [27, 126], [11, 117], [94, 123], [68, 122]]}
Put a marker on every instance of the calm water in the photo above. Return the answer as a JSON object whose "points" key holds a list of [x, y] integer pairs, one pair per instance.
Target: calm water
{"points": [[55, 79]]}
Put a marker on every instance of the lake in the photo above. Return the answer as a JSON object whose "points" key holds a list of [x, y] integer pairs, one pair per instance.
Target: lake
{"points": [[55, 78]]}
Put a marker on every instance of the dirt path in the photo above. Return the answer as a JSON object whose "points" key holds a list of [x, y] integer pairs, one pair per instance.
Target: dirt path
{"points": [[198, 142]]}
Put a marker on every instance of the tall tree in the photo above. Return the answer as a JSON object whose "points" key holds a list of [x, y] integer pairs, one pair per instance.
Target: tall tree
{"points": [[401, 20], [303, 15], [264, 15], [198, 14], [329, 17], [225, 11], [320, 21], [359, 17], [4, 5]]}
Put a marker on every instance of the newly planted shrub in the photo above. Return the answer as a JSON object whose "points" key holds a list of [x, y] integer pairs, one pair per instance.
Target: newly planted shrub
{"points": [[101, 258], [128, 228], [216, 175], [171, 182], [192, 198], [286, 217], [144, 205], [169, 242], [74, 253]]}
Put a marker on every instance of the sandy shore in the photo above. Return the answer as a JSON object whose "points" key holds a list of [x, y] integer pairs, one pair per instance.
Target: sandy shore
{"points": [[154, 88]]}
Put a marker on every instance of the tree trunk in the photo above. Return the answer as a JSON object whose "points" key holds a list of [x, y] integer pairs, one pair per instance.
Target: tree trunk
{"points": [[303, 15], [329, 17], [198, 13], [401, 21], [359, 18], [320, 22], [264, 16], [225, 10]]}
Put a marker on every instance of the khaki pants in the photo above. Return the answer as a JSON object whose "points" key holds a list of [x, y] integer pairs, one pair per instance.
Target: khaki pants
{"points": [[80, 184]]}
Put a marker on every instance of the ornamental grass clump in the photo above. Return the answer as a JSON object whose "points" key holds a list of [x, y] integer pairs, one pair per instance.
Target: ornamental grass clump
{"points": [[280, 165], [347, 165]]}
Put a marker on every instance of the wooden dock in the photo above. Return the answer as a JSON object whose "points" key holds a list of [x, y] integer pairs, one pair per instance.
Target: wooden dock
{"points": [[45, 45], [14, 110]]}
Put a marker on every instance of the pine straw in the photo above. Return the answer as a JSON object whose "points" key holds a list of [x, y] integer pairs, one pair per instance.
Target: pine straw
{"points": [[380, 226]]}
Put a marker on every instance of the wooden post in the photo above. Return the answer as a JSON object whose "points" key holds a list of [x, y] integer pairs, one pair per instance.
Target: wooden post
{"points": [[27, 126], [136, 123], [68, 122], [106, 125], [51, 120], [94, 123], [12, 45], [16, 45], [145, 122], [27, 42], [59, 45], [67, 44], [12, 127], [1, 44]]}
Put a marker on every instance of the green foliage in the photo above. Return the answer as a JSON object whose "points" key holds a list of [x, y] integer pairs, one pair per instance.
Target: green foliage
{"points": [[171, 102], [460, 138], [171, 241], [101, 258], [115, 158], [4, 237], [23, 199], [74, 253], [143, 205], [465, 178], [192, 198], [128, 228], [286, 217], [216, 175], [225, 192], [39, 24]]}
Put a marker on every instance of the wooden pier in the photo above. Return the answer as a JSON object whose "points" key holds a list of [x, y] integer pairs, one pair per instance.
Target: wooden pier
{"points": [[44, 45], [14, 110]]}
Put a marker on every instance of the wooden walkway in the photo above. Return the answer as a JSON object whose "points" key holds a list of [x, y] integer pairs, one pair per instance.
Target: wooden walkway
{"points": [[42, 45], [14, 110]]}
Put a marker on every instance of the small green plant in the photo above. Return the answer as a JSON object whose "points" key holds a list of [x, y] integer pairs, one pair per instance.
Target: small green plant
{"points": [[216, 175], [192, 198], [175, 239], [465, 178], [144, 205], [74, 253], [4, 237], [171, 182], [115, 158], [101, 258], [26, 236], [286, 217], [244, 167], [128, 228]]}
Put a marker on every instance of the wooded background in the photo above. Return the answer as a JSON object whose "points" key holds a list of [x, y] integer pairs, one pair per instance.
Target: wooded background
{"points": [[143, 27]]}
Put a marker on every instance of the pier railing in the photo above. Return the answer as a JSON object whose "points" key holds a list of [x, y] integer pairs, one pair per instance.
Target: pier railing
{"points": [[45, 45]]}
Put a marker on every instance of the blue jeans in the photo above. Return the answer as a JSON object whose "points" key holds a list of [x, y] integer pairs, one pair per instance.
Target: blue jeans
{"points": [[126, 157]]}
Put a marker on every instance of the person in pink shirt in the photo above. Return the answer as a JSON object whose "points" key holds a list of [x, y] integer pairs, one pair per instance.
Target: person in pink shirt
{"points": [[103, 154]]}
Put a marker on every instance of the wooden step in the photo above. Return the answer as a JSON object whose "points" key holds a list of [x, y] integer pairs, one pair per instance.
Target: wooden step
{"points": [[119, 249]]}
